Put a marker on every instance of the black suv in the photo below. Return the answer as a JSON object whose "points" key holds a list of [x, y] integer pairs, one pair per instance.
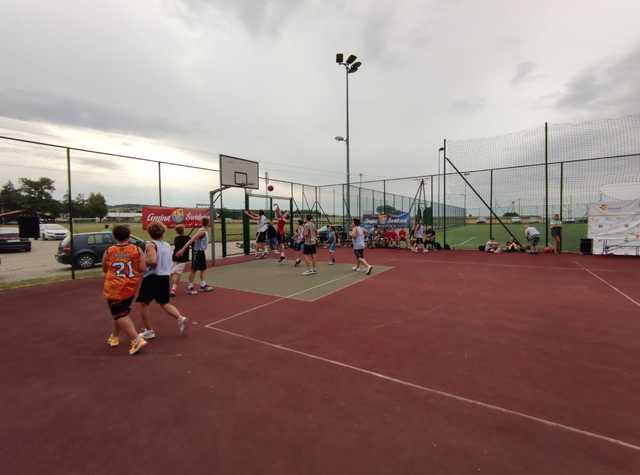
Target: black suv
{"points": [[88, 248]]}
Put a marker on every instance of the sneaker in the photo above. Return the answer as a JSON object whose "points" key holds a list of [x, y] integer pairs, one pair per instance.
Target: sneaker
{"points": [[314, 271], [331, 263], [282, 258], [369, 269], [113, 341], [182, 324], [206, 288], [354, 269], [137, 345], [307, 272], [297, 263], [192, 291], [263, 255], [147, 334]]}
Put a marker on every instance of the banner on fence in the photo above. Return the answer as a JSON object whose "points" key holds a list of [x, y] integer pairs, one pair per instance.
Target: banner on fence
{"points": [[171, 217], [615, 227], [387, 222]]}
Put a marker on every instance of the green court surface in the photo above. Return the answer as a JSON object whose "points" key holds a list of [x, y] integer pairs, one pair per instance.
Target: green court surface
{"points": [[268, 277], [471, 236]]}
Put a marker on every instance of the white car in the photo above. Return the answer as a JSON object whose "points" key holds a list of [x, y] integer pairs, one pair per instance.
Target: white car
{"points": [[52, 231]]}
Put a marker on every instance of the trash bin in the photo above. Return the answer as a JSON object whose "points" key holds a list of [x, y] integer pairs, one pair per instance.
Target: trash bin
{"points": [[586, 246]]}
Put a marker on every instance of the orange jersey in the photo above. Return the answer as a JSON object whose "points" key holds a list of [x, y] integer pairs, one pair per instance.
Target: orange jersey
{"points": [[123, 271]]}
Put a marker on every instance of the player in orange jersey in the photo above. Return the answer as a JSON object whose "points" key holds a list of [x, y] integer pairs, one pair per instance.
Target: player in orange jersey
{"points": [[123, 265]]}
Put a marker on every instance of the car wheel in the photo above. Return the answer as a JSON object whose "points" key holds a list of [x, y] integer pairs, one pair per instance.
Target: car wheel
{"points": [[85, 261]]}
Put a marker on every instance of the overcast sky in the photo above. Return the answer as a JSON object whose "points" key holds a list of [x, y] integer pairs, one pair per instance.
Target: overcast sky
{"points": [[172, 78]]}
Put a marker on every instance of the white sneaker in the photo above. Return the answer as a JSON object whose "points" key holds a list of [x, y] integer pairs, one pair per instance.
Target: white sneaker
{"points": [[331, 263], [182, 324], [354, 269], [314, 271], [147, 334], [307, 272]]}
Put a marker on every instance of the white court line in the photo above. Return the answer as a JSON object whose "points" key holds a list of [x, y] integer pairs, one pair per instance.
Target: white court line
{"points": [[280, 299], [464, 242], [438, 392], [630, 299]]}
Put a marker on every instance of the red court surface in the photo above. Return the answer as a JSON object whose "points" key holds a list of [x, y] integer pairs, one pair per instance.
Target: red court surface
{"points": [[448, 363]]}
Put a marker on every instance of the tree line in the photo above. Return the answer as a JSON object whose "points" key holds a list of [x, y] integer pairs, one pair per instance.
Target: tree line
{"points": [[36, 196]]}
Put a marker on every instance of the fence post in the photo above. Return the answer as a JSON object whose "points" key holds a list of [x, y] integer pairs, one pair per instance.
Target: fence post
{"points": [[384, 196], [561, 196], [490, 203], [444, 192], [344, 218], [160, 183], [546, 184], [70, 205]]}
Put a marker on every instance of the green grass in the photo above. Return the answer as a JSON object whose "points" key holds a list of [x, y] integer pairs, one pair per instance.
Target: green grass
{"points": [[471, 236]]}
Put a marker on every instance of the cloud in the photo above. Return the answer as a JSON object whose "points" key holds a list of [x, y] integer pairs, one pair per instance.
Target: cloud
{"points": [[469, 104], [45, 107], [258, 17], [524, 73], [609, 87]]}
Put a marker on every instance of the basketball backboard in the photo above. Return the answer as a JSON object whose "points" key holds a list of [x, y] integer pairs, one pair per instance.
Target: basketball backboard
{"points": [[238, 172]]}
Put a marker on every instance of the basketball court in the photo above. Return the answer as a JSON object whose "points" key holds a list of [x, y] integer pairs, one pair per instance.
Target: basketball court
{"points": [[444, 363]]}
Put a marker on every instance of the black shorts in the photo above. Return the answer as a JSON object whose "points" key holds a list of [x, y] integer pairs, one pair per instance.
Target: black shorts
{"points": [[309, 249], [298, 246], [419, 241], [556, 232], [120, 308], [261, 237], [199, 261], [154, 287], [281, 238], [359, 253]]}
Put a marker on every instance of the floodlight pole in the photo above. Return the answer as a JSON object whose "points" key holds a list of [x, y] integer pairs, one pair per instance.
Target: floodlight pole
{"points": [[348, 140]]}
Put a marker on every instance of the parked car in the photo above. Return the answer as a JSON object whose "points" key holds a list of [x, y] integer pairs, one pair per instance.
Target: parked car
{"points": [[10, 240], [52, 231], [88, 248], [515, 219]]}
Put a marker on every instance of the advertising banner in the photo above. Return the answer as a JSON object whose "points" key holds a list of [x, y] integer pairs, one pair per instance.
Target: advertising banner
{"points": [[171, 217], [615, 227], [387, 222]]}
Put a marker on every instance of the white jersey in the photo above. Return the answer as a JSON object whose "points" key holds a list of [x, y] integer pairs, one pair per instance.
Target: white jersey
{"points": [[262, 224], [420, 231], [164, 259], [299, 234], [358, 240]]}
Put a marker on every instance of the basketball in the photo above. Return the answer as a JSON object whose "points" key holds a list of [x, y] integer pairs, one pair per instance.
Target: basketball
{"points": [[270, 187]]}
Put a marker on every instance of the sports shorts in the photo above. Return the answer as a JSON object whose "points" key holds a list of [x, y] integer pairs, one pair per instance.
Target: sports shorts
{"points": [[178, 267], [297, 246], [199, 261], [154, 287], [419, 241], [534, 240], [281, 238], [359, 253], [557, 231], [261, 237], [309, 249], [332, 247], [120, 308]]}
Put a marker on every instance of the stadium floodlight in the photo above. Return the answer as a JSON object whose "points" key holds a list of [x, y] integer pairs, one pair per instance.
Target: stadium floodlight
{"points": [[350, 66], [354, 67]]}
